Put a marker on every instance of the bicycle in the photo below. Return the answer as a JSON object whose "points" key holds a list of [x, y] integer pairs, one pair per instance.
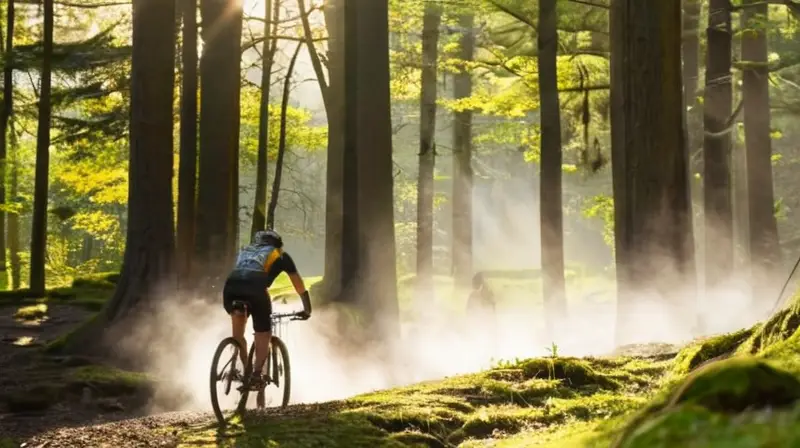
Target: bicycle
{"points": [[277, 368]]}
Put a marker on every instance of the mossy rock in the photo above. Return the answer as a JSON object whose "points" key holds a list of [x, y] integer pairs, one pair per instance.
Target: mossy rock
{"points": [[734, 385], [658, 430], [104, 280], [778, 328], [716, 347], [572, 372], [109, 381]]}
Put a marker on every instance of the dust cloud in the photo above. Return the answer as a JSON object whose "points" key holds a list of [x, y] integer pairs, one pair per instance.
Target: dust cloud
{"points": [[438, 338]]}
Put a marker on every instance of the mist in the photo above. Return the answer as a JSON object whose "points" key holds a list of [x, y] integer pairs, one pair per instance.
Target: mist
{"points": [[438, 338]]}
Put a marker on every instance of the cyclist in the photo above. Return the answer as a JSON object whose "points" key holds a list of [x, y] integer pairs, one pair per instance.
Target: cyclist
{"points": [[257, 266]]}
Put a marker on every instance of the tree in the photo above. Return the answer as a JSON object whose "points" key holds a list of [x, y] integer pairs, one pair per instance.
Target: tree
{"points": [[39, 224], [652, 216], [764, 250], [187, 169], [552, 227], [6, 111], [717, 102], [462, 157], [13, 216], [268, 55], [219, 136], [339, 262], [276, 185], [368, 225], [148, 266], [691, 71], [431, 20]]}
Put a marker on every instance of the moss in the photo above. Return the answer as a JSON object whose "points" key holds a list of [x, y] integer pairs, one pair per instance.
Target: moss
{"points": [[780, 327], [417, 439], [108, 381], [738, 384], [713, 348], [99, 280], [31, 312], [571, 371]]}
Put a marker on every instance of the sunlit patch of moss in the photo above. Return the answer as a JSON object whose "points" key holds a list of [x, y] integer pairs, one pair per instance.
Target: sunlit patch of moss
{"points": [[738, 384], [713, 348], [780, 327], [31, 312]]}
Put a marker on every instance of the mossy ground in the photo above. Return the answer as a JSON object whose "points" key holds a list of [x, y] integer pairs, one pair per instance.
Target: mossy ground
{"points": [[519, 400], [737, 390]]}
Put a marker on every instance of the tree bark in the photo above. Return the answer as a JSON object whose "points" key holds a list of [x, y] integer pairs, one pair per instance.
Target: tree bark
{"points": [[13, 218], [691, 70], [334, 271], [5, 116], [551, 217], [148, 265], [718, 106], [368, 154], [39, 224], [764, 250], [187, 169], [268, 55], [653, 221], [462, 160], [219, 137], [276, 184], [431, 20]]}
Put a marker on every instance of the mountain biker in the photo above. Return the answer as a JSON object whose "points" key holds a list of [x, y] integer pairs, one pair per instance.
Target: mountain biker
{"points": [[257, 266]]}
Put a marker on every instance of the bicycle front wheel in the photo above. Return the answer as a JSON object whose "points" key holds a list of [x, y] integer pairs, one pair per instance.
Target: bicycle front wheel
{"points": [[226, 377], [280, 370]]}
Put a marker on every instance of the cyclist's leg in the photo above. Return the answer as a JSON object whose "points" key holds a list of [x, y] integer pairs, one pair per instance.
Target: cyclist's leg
{"points": [[238, 317], [262, 324]]}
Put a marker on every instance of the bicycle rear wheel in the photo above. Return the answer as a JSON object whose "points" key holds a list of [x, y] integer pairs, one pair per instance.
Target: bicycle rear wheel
{"points": [[225, 373]]}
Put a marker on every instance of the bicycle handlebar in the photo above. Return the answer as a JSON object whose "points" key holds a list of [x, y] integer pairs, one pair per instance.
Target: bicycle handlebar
{"points": [[291, 316]]}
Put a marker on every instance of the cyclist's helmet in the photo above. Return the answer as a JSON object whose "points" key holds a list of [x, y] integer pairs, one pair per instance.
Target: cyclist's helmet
{"points": [[268, 238]]}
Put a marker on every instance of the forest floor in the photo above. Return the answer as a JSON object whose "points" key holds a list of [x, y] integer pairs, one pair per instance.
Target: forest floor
{"points": [[641, 396]]}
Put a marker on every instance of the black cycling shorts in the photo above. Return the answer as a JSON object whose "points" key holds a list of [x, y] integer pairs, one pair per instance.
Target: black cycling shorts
{"points": [[250, 287]]}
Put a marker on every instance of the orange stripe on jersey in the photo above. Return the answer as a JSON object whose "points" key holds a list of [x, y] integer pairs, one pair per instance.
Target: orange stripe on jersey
{"points": [[273, 256]]}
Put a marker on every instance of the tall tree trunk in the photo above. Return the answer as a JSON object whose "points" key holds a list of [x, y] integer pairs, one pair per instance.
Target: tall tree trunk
{"points": [[427, 148], [268, 55], [741, 225], [462, 160], [334, 271], [13, 217], [5, 116], [368, 145], [552, 220], [717, 147], [187, 169], [39, 224], [691, 71], [148, 265], [276, 184], [337, 267], [653, 221], [219, 136], [764, 250]]}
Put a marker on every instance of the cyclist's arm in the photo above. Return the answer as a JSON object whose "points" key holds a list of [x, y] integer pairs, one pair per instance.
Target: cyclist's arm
{"points": [[288, 266]]}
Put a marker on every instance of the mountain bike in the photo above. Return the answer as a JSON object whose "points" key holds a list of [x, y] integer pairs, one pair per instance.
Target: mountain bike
{"points": [[235, 381]]}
